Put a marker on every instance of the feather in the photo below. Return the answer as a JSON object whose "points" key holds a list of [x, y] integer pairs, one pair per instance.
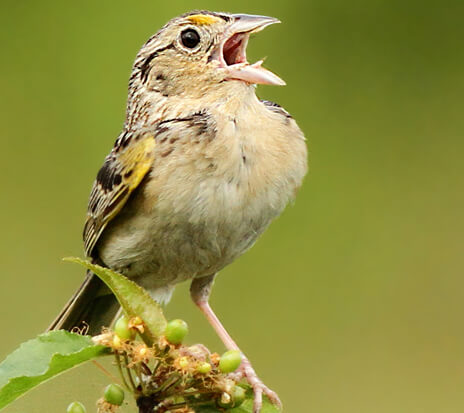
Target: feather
{"points": [[124, 168]]}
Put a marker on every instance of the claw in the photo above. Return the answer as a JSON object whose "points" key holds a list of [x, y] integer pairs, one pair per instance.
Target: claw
{"points": [[247, 372], [200, 290]]}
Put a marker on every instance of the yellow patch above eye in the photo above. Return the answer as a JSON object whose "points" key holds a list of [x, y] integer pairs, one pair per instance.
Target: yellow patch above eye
{"points": [[203, 19]]}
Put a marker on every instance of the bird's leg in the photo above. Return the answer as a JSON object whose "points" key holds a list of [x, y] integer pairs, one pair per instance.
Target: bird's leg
{"points": [[200, 290]]}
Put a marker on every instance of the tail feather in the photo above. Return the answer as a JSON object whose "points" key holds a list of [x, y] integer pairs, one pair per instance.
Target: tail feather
{"points": [[92, 305]]}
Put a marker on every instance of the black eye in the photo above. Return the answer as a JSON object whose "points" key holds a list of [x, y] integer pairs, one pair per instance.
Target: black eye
{"points": [[190, 38]]}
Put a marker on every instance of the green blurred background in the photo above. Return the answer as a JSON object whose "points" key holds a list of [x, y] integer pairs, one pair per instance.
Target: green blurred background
{"points": [[352, 301]]}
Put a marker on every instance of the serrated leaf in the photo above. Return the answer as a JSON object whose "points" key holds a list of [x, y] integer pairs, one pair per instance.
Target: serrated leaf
{"points": [[42, 358], [134, 300]]}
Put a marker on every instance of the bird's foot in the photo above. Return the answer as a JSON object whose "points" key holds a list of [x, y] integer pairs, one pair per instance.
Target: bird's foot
{"points": [[247, 372]]}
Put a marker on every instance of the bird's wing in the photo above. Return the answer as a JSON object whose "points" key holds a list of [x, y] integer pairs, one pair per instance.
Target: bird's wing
{"points": [[123, 170]]}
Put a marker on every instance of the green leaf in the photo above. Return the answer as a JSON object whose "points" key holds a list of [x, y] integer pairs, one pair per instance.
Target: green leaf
{"points": [[37, 360], [245, 407], [133, 299]]}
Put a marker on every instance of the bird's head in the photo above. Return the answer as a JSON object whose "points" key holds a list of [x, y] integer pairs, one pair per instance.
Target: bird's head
{"points": [[199, 52]]}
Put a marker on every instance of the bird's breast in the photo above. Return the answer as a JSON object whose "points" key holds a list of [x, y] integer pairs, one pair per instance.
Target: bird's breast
{"points": [[212, 191]]}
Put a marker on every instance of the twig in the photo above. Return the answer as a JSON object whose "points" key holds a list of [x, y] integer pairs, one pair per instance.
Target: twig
{"points": [[121, 373]]}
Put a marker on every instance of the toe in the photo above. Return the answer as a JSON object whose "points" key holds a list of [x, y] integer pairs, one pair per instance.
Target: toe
{"points": [[258, 401], [273, 397], [248, 373]]}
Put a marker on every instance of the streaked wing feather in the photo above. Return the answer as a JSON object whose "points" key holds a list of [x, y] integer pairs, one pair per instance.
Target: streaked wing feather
{"points": [[123, 170]]}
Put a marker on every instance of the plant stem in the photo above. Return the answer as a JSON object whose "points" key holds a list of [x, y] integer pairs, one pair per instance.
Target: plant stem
{"points": [[121, 373], [129, 373]]}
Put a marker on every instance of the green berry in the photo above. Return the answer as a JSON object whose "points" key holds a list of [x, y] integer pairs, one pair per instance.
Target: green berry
{"points": [[114, 394], [122, 330], [76, 407], [204, 367], [225, 401], [184, 362], [234, 399], [230, 361], [176, 330], [238, 395]]}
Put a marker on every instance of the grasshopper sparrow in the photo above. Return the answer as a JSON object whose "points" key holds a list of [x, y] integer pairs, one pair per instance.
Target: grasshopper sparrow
{"points": [[199, 171]]}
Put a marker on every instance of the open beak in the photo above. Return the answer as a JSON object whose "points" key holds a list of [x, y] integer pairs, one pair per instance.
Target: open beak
{"points": [[232, 51]]}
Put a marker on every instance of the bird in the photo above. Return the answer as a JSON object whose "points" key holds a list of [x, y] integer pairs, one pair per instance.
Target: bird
{"points": [[201, 168]]}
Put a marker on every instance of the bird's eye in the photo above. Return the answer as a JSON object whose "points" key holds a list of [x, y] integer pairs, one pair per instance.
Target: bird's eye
{"points": [[190, 38]]}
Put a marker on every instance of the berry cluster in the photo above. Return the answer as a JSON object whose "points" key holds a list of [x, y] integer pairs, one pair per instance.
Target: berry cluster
{"points": [[167, 376]]}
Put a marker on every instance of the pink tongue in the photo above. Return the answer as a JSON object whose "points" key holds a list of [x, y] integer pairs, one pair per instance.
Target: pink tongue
{"points": [[233, 51], [255, 74]]}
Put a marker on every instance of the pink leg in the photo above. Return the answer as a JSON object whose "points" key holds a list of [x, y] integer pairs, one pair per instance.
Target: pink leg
{"points": [[200, 291]]}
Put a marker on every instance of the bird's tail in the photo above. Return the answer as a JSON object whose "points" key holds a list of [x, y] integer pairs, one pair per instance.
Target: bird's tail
{"points": [[92, 307]]}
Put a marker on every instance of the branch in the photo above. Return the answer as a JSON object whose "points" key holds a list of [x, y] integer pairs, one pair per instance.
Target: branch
{"points": [[160, 372]]}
